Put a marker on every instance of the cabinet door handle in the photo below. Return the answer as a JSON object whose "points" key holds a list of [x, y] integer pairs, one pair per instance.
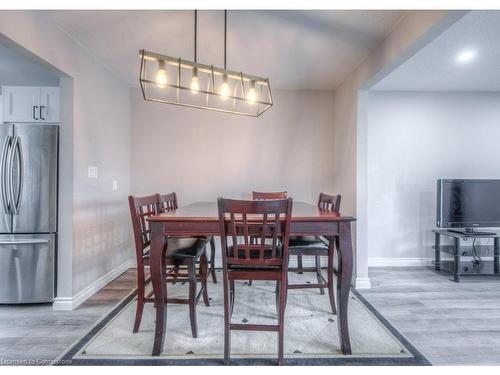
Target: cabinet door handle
{"points": [[35, 107], [41, 112]]}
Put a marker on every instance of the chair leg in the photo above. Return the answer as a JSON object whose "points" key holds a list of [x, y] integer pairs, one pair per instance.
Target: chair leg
{"points": [[231, 293], [203, 277], [227, 320], [252, 242], [277, 297], [299, 264], [212, 260], [331, 294], [192, 298], [281, 320], [140, 300], [318, 273]]}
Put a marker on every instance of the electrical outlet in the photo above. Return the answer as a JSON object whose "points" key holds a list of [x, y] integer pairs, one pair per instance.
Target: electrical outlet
{"points": [[115, 185], [93, 171]]}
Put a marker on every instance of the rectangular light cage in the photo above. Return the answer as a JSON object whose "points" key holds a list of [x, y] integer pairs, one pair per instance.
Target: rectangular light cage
{"points": [[170, 80]]}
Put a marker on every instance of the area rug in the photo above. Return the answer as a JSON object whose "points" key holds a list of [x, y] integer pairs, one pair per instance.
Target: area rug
{"points": [[311, 336]]}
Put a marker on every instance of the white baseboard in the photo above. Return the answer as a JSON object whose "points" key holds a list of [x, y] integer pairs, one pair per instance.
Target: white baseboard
{"points": [[399, 262], [70, 303], [362, 283]]}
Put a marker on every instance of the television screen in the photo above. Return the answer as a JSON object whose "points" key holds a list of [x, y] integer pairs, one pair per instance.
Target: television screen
{"points": [[468, 203]]}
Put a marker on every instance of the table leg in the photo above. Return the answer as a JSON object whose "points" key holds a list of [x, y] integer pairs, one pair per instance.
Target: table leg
{"points": [[157, 270], [437, 252], [344, 277], [330, 274], [456, 264], [496, 255], [212, 260]]}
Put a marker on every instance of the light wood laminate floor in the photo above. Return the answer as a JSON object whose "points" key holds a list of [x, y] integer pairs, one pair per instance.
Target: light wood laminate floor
{"points": [[449, 323], [37, 333]]}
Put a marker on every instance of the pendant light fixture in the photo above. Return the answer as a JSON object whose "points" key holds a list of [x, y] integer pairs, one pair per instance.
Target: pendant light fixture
{"points": [[171, 80]]}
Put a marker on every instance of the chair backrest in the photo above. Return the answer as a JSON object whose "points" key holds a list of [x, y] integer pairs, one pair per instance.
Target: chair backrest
{"points": [[259, 220], [140, 209], [259, 195], [329, 202], [167, 202]]}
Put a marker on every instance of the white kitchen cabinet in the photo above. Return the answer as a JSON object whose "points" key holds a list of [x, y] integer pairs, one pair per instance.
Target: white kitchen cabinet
{"points": [[21, 103], [49, 104], [30, 104]]}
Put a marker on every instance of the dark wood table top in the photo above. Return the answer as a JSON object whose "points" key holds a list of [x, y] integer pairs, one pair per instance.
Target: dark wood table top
{"points": [[208, 211]]}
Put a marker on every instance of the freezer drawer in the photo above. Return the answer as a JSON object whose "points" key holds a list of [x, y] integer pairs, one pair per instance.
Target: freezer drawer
{"points": [[27, 268]]}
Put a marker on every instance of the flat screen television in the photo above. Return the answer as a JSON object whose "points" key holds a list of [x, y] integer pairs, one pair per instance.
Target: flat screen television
{"points": [[468, 203]]}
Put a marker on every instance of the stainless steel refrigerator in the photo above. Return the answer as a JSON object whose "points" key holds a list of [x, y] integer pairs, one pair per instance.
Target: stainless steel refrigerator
{"points": [[28, 212]]}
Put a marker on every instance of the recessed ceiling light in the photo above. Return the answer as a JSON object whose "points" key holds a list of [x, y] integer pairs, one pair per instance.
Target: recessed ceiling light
{"points": [[466, 56]]}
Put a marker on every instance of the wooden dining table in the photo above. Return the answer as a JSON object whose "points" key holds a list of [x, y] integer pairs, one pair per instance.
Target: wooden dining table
{"points": [[202, 219]]}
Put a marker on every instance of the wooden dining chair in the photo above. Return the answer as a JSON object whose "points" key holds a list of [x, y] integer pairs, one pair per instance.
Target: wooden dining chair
{"points": [[268, 195], [181, 252], [265, 196], [317, 246], [168, 202], [260, 260]]}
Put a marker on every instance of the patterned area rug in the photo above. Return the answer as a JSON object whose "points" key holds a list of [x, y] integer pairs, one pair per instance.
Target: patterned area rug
{"points": [[311, 336]]}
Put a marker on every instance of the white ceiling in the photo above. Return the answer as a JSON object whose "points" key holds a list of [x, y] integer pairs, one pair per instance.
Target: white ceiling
{"points": [[17, 69], [434, 68], [295, 49]]}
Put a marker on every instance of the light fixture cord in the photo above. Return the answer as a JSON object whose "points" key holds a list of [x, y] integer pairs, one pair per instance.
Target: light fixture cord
{"points": [[225, 37], [195, 32]]}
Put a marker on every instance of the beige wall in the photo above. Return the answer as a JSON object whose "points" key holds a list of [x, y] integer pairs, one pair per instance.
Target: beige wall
{"points": [[384, 58], [402, 174], [415, 30], [203, 155], [94, 230]]}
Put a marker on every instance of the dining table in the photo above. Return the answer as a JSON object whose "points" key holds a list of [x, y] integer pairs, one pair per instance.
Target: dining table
{"points": [[202, 219]]}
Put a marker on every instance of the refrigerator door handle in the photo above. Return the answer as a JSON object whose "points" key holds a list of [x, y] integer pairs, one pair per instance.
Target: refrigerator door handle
{"points": [[21, 175], [16, 203], [41, 112], [3, 179]]}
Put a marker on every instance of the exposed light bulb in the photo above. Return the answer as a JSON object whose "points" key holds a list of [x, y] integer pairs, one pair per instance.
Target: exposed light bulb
{"points": [[195, 82], [195, 85], [161, 76], [252, 94], [224, 88]]}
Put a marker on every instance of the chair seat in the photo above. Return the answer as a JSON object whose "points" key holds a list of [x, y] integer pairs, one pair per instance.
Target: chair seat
{"points": [[183, 248], [306, 243]]}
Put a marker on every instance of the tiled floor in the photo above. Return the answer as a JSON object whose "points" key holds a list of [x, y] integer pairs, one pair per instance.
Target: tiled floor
{"points": [[449, 323]]}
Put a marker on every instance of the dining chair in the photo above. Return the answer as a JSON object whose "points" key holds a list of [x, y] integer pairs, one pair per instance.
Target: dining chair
{"points": [[317, 246], [263, 196], [168, 202], [268, 195], [260, 260], [181, 252]]}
